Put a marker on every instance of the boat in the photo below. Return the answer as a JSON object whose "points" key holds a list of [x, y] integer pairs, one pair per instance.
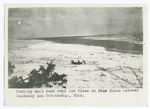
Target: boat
{"points": [[78, 62]]}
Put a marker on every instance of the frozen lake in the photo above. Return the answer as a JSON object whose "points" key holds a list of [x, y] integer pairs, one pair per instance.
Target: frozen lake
{"points": [[109, 63]]}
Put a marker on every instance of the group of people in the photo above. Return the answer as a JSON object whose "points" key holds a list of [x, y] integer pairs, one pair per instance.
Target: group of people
{"points": [[78, 62]]}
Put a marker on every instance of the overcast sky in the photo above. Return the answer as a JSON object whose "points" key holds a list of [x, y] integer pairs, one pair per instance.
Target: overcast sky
{"points": [[51, 22]]}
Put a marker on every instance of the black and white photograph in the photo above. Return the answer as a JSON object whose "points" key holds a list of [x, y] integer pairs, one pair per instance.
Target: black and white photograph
{"points": [[75, 47]]}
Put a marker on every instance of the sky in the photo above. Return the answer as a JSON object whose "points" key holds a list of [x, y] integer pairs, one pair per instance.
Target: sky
{"points": [[72, 21]]}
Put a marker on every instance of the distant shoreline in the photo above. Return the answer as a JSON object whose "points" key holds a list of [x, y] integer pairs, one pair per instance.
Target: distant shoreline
{"points": [[66, 36], [124, 46]]}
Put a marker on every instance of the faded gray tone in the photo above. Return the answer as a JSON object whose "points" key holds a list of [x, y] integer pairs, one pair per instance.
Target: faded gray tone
{"points": [[107, 52], [52, 22]]}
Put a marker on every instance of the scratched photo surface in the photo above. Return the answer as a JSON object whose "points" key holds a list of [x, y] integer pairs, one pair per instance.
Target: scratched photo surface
{"points": [[75, 47]]}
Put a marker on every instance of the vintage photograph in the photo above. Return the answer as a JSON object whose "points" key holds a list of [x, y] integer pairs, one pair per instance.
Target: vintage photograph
{"points": [[75, 47]]}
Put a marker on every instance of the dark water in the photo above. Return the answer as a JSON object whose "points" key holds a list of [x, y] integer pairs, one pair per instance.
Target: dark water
{"points": [[110, 45]]}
